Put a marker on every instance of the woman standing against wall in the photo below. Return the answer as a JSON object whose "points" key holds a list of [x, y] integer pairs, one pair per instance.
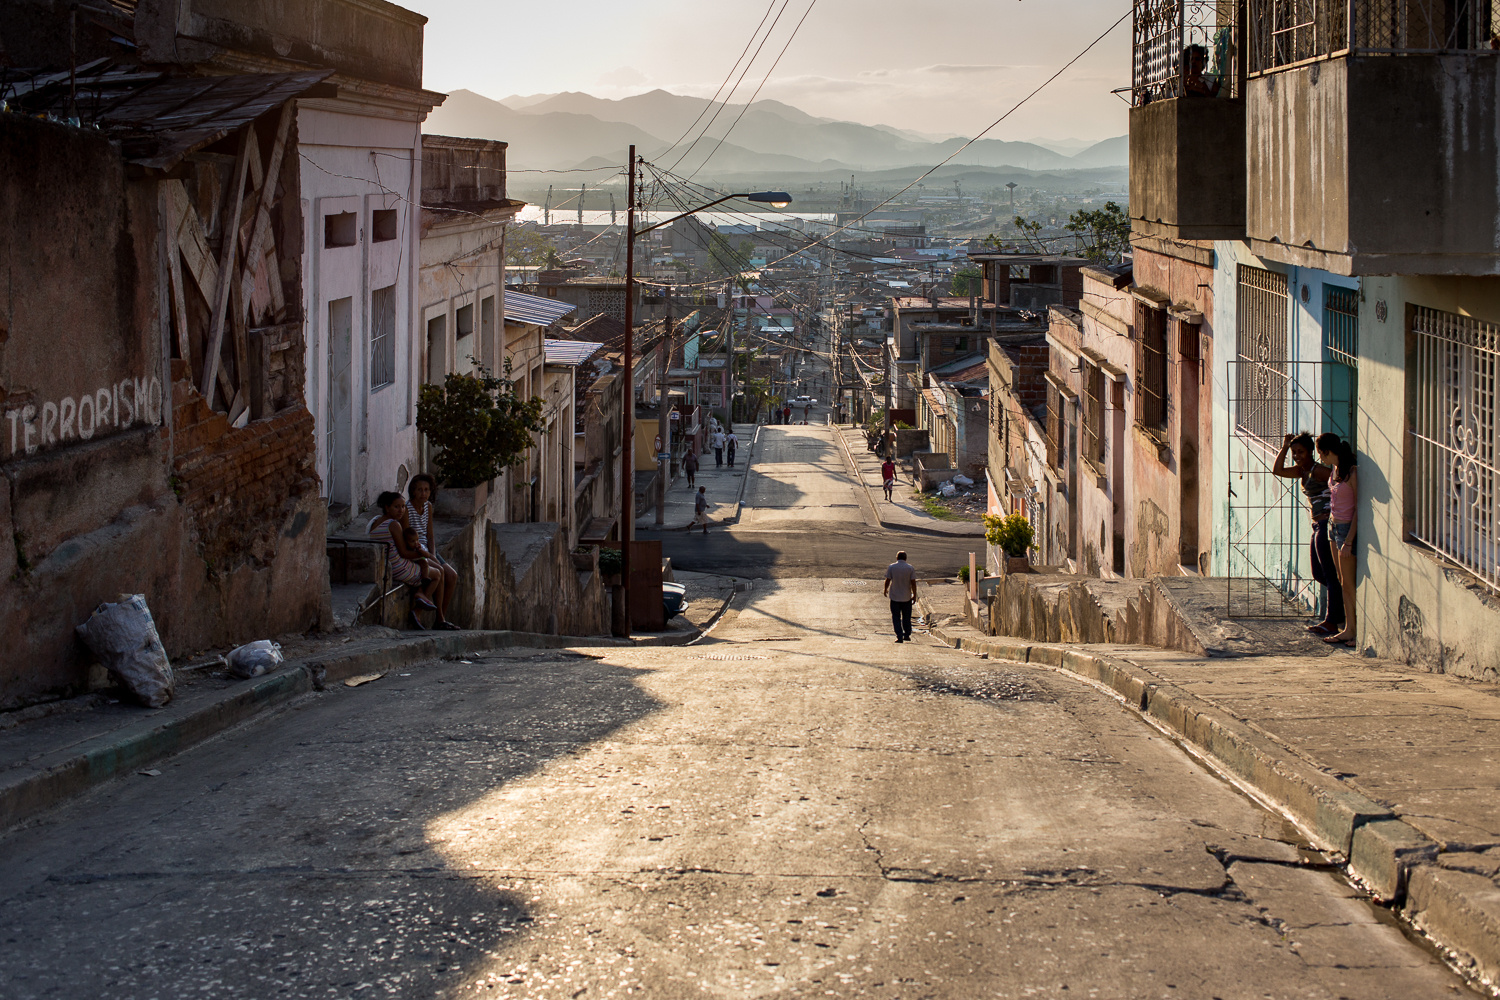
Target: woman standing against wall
{"points": [[1313, 477], [1343, 506]]}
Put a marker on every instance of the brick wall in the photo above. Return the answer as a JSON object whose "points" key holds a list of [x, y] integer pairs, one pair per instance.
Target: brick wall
{"points": [[238, 482], [1030, 363]]}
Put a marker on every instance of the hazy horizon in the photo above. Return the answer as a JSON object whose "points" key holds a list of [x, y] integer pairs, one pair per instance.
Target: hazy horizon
{"points": [[853, 60]]}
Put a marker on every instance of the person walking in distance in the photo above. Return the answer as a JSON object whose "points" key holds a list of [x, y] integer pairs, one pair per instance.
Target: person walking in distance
{"points": [[901, 589], [731, 443], [700, 509], [786, 414], [717, 441], [690, 464], [888, 477]]}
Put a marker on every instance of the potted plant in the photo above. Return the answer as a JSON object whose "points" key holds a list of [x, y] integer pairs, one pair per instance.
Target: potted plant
{"points": [[478, 427], [1013, 535], [611, 563]]}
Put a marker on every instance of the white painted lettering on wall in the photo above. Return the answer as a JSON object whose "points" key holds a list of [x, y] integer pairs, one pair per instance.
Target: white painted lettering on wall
{"points": [[127, 403]]}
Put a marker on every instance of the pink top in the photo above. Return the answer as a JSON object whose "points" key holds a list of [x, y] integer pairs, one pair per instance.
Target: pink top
{"points": [[1340, 500]]}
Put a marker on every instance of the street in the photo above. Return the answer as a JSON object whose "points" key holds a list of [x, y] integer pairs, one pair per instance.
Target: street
{"points": [[795, 806]]}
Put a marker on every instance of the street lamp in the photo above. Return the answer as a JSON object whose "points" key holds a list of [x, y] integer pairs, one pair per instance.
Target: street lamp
{"points": [[776, 199]]}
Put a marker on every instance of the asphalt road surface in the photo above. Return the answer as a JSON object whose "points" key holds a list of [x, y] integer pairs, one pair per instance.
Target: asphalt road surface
{"points": [[798, 807]]}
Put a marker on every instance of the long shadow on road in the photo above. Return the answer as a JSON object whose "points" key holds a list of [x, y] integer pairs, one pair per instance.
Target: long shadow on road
{"points": [[295, 857]]}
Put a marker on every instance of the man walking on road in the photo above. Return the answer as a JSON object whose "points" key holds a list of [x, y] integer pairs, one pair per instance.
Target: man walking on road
{"points": [[717, 440], [700, 509], [901, 588], [731, 443], [887, 477]]}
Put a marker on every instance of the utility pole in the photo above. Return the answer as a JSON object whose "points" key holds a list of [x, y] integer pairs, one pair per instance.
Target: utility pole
{"points": [[547, 208], [581, 195], [663, 423], [627, 421]]}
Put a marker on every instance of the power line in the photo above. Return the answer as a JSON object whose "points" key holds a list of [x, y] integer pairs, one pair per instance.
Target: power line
{"points": [[753, 96], [751, 41], [766, 38]]}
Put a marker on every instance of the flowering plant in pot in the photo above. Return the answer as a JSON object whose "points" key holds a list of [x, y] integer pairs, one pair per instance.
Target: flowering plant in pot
{"points": [[1013, 535], [477, 426]]}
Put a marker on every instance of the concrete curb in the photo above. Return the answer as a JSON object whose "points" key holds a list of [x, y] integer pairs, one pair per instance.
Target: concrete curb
{"points": [[1398, 863], [57, 777], [874, 506]]}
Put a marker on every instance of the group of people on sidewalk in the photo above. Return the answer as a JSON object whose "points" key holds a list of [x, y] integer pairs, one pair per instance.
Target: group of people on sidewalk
{"points": [[1327, 471], [406, 531]]}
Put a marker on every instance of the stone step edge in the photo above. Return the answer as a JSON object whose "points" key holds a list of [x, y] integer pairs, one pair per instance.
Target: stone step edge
{"points": [[55, 778], [1459, 910]]}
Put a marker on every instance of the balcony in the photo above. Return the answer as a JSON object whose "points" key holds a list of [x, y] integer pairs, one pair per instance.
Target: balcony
{"points": [[1371, 135], [1187, 122]]}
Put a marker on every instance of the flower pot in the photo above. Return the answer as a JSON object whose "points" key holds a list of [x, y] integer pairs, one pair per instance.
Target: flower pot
{"points": [[583, 562], [462, 502], [1016, 564]]}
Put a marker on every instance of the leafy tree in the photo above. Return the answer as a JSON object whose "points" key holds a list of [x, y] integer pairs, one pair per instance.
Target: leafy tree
{"points": [[478, 425], [1105, 232], [726, 256], [1029, 233], [528, 248], [967, 281]]}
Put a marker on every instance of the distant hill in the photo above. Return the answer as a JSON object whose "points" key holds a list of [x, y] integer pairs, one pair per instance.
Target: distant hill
{"points": [[564, 131]]}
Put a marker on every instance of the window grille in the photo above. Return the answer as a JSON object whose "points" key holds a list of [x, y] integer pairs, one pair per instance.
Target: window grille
{"points": [[1451, 496], [1284, 32], [1054, 426], [1163, 29], [1093, 389], [1341, 325], [382, 337], [1152, 396], [1260, 348]]}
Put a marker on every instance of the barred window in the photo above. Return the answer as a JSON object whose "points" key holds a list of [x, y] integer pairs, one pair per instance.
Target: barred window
{"points": [[1453, 362], [1093, 415], [1260, 349], [1284, 32], [382, 337], [1151, 395], [1054, 426]]}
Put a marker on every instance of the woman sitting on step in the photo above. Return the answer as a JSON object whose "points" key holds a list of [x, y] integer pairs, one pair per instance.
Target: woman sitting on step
{"points": [[408, 566]]}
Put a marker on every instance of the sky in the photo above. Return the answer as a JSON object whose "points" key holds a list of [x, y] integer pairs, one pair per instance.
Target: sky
{"points": [[934, 66]]}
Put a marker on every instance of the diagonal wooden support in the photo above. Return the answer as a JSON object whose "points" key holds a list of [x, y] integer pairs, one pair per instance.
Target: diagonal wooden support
{"points": [[226, 267]]}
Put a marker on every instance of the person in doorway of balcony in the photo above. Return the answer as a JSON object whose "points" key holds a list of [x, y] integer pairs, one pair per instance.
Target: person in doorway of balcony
{"points": [[888, 477], [422, 491], [1194, 81], [1343, 506], [1313, 475]]}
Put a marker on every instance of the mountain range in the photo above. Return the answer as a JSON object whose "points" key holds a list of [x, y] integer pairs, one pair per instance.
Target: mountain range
{"points": [[574, 130]]}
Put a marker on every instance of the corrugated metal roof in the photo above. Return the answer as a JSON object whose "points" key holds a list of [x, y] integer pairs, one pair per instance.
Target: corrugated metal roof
{"points": [[533, 309], [158, 117], [569, 352]]}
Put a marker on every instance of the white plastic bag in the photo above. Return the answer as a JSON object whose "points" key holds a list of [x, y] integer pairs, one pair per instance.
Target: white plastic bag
{"points": [[254, 658], [948, 489], [124, 638], [963, 480]]}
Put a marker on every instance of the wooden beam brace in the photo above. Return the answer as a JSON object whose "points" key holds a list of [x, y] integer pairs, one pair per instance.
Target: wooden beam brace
{"points": [[226, 267]]}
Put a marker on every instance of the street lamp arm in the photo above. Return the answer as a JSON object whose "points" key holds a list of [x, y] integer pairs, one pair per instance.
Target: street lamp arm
{"points": [[776, 199]]}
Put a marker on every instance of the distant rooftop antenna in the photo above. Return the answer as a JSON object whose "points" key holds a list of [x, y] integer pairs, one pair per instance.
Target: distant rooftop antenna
{"points": [[581, 195], [547, 208], [611, 208]]}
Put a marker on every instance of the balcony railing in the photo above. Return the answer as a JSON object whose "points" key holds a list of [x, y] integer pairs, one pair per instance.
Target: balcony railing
{"points": [[1169, 35], [1286, 32]]}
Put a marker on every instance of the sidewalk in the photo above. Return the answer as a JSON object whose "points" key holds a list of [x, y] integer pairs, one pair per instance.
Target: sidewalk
{"points": [[726, 488], [903, 513], [1395, 770]]}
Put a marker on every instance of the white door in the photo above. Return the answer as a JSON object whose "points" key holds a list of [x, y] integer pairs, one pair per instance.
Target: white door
{"points": [[340, 395]]}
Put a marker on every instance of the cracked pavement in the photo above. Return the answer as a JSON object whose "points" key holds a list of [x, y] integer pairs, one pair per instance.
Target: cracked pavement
{"points": [[796, 807]]}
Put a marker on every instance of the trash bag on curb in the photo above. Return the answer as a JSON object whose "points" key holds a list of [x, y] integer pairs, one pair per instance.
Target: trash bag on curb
{"points": [[124, 637], [254, 658], [948, 489], [963, 480]]}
